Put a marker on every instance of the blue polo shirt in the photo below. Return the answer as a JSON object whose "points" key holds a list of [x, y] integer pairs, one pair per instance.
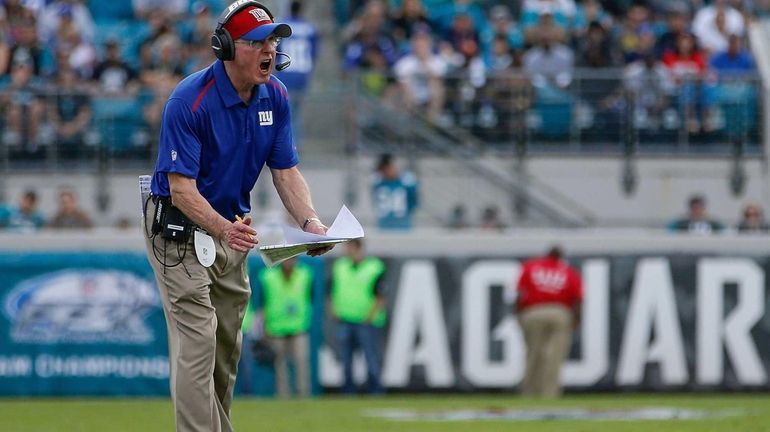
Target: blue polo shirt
{"points": [[209, 134]]}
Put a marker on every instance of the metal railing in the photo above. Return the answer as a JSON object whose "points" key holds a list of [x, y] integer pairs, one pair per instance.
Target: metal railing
{"points": [[609, 111], [600, 111]]}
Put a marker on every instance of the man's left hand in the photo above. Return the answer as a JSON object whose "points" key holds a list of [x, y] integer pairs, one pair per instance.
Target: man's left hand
{"points": [[317, 227]]}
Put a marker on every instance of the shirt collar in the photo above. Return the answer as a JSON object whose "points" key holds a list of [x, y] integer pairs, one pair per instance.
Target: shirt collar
{"points": [[226, 89]]}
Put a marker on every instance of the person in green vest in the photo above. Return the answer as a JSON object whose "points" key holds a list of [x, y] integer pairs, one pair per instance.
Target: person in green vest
{"points": [[286, 305], [358, 304]]}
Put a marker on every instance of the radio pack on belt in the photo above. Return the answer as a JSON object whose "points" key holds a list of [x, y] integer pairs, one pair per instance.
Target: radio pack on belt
{"points": [[170, 222]]}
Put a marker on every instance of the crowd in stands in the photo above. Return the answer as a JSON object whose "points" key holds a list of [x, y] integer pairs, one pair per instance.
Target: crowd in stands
{"points": [[485, 64], [696, 221], [25, 216], [80, 74]]}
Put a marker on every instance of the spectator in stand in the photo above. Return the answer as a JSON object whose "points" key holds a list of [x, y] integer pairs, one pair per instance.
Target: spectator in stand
{"points": [[490, 219], [69, 215], [444, 15], [156, 98], [113, 74], [649, 86], [512, 96], [405, 20], [688, 68], [25, 217], [161, 32], [697, 220], [545, 26], [394, 195], [753, 220], [636, 34], [5, 43], [371, 23], [588, 12], [595, 49], [170, 9], [366, 32], [550, 63], [458, 218], [375, 75], [23, 107], [420, 75], [26, 47], [736, 60], [18, 15], [166, 59], [53, 15], [72, 51], [197, 39], [676, 25], [502, 27], [500, 56], [462, 32], [712, 24], [70, 113], [714, 39], [561, 11], [467, 75], [303, 48], [548, 307]]}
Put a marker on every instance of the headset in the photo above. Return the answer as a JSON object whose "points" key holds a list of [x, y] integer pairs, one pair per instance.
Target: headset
{"points": [[222, 43]]}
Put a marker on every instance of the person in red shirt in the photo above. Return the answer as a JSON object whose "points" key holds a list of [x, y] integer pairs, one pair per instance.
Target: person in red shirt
{"points": [[550, 293], [687, 66]]}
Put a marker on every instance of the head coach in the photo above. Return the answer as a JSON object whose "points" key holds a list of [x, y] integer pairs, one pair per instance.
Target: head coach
{"points": [[220, 126]]}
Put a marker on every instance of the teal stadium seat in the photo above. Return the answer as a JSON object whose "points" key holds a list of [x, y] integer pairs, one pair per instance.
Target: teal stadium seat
{"points": [[111, 10], [554, 106], [738, 102], [117, 120]]}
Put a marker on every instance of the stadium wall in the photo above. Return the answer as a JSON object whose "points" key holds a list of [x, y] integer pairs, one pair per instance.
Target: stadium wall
{"points": [[662, 312], [592, 184]]}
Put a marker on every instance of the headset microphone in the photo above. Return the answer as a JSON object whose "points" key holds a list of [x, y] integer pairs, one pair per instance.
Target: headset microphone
{"points": [[283, 65]]}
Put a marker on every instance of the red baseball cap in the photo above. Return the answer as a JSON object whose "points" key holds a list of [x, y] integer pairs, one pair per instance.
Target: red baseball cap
{"points": [[253, 23]]}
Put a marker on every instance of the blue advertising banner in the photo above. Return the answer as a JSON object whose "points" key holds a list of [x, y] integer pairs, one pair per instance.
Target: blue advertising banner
{"points": [[81, 324], [89, 323]]}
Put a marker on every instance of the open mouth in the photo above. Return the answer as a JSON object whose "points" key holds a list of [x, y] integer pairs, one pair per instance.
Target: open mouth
{"points": [[264, 65]]}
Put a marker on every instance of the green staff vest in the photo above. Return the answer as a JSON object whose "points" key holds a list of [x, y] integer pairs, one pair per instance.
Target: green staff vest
{"points": [[286, 302], [353, 290]]}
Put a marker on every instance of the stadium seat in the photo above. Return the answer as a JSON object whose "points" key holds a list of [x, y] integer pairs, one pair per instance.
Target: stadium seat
{"points": [[117, 120], [108, 10]]}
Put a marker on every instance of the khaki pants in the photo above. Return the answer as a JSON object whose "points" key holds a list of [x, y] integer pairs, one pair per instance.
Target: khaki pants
{"points": [[547, 334], [295, 349], [204, 308]]}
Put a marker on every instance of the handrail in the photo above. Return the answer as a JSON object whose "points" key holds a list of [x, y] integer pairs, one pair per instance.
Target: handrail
{"points": [[459, 145]]}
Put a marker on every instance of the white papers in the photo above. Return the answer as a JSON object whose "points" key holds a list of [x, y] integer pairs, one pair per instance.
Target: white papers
{"points": [[345, 227]]}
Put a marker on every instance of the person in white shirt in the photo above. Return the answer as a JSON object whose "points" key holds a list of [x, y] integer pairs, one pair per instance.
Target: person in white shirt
{"points": [[713, 24], [421, 74]]}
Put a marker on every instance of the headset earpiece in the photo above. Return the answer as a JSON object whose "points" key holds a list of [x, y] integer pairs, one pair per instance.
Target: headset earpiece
{"points": [[222, 44]]}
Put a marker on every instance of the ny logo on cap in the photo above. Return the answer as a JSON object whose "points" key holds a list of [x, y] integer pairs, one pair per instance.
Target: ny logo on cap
{"points": [[260, 14]]}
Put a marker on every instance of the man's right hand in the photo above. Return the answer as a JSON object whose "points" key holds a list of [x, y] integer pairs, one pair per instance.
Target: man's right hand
{"points": [[240, 236]]}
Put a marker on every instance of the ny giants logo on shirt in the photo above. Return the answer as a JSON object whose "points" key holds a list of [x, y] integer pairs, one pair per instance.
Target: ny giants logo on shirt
{"points": [[548, 280], [265, 118]]}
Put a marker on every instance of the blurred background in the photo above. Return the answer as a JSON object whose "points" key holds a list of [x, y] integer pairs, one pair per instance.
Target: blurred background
{"points": [[466, 136]]}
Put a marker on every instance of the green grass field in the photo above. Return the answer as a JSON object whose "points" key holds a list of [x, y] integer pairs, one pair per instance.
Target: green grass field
{"points": [[726, 412]]}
